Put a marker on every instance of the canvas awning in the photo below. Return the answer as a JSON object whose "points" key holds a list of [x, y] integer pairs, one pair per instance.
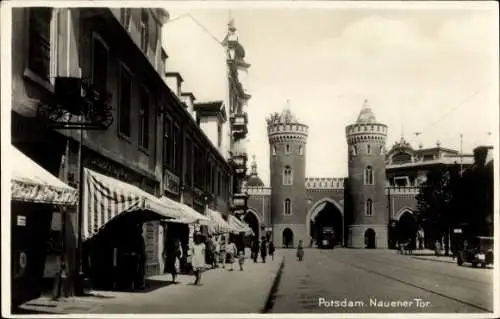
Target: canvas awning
{"points": [[239, 226], [32, 183], [105, 198], [217, 223], [190, 216]]}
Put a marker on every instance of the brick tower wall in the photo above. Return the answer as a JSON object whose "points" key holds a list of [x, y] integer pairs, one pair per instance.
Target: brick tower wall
{"points": [[360, 137], [293, 135]]}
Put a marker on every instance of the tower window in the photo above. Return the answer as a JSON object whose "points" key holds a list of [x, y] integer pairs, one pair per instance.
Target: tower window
{"points": [[381, 150], [369, 175], [354, 150], [287, 176], [274, 150], [287, 207], [301, 150], [368, 149], [369, 207], [287, 148]]}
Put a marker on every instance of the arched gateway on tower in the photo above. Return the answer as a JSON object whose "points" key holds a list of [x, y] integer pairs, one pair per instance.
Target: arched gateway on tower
{"points": [[325, 223]]}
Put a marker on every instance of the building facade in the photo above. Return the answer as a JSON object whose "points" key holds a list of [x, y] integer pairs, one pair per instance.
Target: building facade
{"points": [[146, 135], [365, 209]]}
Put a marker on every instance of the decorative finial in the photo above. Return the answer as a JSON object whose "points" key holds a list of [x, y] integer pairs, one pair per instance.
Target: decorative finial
{"points": [[254, 165], [438, 143], [365, 103]]}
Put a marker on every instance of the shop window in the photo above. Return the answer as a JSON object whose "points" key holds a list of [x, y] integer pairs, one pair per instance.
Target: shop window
{"points": [[125, 89], [39, 41], [144, 119]]}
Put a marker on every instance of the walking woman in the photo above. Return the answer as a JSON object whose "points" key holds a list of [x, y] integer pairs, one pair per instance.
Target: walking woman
{"points": [[300, 251], [271, 250], [198, 258]]}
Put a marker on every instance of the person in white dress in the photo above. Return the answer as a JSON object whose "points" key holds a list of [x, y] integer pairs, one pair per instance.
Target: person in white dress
{"points": [[198, 258]]}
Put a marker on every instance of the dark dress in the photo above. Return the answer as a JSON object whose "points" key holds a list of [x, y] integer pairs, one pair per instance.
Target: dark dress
{"points": [[263, 251]]}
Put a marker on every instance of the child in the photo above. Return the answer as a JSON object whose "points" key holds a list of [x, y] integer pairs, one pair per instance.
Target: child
{"points": [[241, 259], [300, 251]]}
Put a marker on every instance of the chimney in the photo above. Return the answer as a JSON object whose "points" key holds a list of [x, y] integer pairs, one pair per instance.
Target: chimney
{"points": [[174, 81], [188, 99]]}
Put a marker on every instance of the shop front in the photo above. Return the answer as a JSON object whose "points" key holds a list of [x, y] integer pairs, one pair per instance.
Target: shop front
{"points": [[116, 249], [35, 195]]}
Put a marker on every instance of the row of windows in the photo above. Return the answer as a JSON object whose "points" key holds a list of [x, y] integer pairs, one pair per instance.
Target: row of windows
{"points": [[288, 150], [198, 171], [369, 150], [368, 176], [287, 207]]}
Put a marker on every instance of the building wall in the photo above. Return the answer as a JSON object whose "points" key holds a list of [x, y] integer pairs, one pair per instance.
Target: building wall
{"points": [[209, 125]]}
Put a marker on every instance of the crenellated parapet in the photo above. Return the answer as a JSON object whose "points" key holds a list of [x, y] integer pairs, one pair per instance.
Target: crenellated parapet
{"points": [[258, 190], [285, 127], [402, 190], [366, 132], [324, 183]]}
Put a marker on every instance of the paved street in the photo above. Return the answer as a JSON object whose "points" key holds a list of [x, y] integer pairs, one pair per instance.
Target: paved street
{"points": [[222, 291], [358, 278]]}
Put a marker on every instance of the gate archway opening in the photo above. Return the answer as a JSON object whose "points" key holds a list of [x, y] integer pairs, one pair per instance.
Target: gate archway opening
{"points": [[325, 224], [253, 221], [287, 238], [407, 228], [370, 238]]}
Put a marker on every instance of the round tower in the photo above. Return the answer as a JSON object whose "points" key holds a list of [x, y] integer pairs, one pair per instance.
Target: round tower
{"points": [[287, 142], [366, 181]]}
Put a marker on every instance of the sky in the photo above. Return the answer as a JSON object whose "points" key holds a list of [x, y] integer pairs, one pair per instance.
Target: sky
{"points": [[426, 69]]}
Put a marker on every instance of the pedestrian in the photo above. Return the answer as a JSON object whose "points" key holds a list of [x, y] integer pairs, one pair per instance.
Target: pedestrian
{"points": [[271, 250], [216, 253], [173, 255], [255, 249], [141, 259], [263, 249], [198, 258], [241, 259], [231, 252], [300, 251], [222, 251], [209, 251]]}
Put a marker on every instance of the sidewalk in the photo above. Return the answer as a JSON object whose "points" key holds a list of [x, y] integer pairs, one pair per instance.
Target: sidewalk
{"points": [[221, 291], [428, 254]]}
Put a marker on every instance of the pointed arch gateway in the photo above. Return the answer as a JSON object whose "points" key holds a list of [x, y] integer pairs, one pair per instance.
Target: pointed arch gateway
{"points": [[253, 220], [326, 209]]}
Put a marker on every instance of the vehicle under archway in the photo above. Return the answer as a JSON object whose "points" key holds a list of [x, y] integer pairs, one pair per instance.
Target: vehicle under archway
{"points": [[407, 228], [326, 227]]}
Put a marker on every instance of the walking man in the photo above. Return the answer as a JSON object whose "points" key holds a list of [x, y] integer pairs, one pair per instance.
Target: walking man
{"points": [[263, 249]]}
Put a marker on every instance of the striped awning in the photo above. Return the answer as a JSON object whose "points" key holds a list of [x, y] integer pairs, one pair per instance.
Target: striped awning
{"points": [[190, 216], [239, 226], [32, 183], [217, 223], [105, 198]]}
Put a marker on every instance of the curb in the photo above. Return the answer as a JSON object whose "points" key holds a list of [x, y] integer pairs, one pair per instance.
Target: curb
{"points": [[441, 261], [274, 287]]}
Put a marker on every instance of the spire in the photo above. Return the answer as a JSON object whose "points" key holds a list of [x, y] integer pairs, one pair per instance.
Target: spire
{"points": [[254, 166], [366, 114]]}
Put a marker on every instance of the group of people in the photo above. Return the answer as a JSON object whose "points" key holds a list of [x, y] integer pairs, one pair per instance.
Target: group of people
{"points": [[205, 252], [262, 247]]}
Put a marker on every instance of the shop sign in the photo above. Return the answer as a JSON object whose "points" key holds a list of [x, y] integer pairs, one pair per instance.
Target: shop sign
{"points": [[457, 231], [171, 182], [21, 220]]}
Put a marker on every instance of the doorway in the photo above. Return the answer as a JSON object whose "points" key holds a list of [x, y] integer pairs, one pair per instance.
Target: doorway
{"points": [[287, 238], [370, 238]]}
